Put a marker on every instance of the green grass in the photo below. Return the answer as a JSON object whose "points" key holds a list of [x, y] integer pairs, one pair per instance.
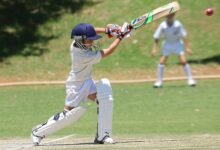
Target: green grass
{"points": [[55, 63], [138, 109]]}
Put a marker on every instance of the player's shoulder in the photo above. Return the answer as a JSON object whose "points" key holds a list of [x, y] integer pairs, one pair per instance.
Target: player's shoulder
{"points": [[177, 23], [163, 24]]}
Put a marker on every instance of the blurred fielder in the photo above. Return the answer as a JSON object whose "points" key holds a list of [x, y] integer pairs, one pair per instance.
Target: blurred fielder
{"points": [[175, 42], [80, 85]]}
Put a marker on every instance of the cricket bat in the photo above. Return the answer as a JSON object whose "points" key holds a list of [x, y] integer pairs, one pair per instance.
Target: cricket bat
{"points": [[155, 14]]}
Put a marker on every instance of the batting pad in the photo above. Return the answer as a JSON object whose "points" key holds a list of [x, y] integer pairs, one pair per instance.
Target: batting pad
{"points": [[59, 121], [105, 100]]}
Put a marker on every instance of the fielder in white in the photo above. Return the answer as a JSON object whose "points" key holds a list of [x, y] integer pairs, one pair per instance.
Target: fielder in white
{"points": [[175, 42], [80, 85]]}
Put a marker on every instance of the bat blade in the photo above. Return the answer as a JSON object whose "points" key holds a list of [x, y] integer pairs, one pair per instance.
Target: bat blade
{"points": [[155, 14]]}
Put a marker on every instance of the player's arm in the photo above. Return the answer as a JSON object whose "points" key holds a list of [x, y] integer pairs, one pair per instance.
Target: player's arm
{"points": [[108, 51], [185, 40], [100, 30], [187, 46], [157, 35], [155, 47], [111, 30], [112, 47], [124, 33]]}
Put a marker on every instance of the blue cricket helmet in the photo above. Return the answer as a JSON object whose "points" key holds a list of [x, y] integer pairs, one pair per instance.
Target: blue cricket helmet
{"points": [[84, 31]]}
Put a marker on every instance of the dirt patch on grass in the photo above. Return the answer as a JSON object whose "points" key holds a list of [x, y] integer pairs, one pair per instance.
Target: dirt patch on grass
{"points": [[195, 142]]}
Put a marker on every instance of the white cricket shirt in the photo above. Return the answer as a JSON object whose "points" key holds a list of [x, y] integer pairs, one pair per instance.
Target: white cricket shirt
{"points": [[82, 62], [172, 34]]}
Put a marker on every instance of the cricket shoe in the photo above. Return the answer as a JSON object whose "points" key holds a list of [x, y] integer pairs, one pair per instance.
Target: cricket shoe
{"points": [[191, 82], [105, 140], [36, 139], [158, 84]]}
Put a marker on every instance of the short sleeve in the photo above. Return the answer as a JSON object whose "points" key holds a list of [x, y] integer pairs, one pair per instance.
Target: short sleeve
{"points": [[158, 32], [182, 31]]}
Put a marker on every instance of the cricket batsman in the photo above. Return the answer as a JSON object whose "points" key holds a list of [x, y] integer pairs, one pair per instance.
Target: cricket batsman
{"points": [[80, 86]]}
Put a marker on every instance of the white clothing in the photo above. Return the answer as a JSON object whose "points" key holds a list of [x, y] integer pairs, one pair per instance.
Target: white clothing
{"points": [[77, 92], [79, 84], [82, 62], [172, 37]]}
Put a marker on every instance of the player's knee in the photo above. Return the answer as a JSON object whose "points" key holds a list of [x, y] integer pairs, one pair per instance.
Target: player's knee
{"points": [[184, 63], [163, 60], [104, 90]]}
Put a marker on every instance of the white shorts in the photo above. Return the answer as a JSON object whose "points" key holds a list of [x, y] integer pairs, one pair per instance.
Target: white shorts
{"points": [[172, 48], [77, 92]]}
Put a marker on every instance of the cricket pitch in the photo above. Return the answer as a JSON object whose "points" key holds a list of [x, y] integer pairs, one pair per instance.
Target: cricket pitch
{"points": [[193, 142]]}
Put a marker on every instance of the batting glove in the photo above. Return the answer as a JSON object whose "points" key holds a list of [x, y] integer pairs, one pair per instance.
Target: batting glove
{"points": [[112, 30], [125, 31]]}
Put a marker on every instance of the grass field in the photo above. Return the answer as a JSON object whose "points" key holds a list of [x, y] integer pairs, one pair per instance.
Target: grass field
{"points": [[139, 109], [195, 142], [173, 117], [35, 47]]}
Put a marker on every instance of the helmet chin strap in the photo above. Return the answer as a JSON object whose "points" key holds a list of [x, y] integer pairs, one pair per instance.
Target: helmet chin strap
{"points": [[80, 44]]}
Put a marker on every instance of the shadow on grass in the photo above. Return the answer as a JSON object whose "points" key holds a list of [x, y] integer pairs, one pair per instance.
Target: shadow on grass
{"points": [[21, 19], [212, 59], [90, 143]]}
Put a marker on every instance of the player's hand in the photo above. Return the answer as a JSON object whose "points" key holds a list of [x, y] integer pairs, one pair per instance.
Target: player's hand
{"points": [[154, 52], [113, 30], [125, 31], [189, 51]]}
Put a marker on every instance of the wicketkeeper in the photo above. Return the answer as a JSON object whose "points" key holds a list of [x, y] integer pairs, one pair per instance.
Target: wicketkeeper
{"points": [[80, 85]]}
